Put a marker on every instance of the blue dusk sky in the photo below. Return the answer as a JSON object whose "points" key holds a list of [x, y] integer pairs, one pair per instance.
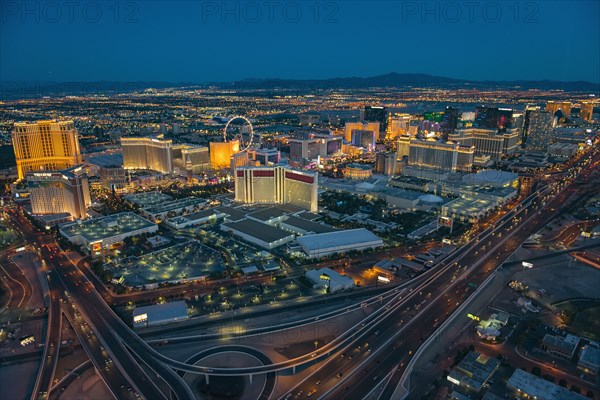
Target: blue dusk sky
{"points": [[210, 41]]}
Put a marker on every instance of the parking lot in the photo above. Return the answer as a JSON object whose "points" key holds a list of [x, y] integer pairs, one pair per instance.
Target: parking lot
{"points": [[556, 278], [10, 339], [176, 263], [237, 297]]}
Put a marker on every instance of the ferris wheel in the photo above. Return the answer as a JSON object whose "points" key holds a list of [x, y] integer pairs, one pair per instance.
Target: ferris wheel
{"points": [[244, 144]]}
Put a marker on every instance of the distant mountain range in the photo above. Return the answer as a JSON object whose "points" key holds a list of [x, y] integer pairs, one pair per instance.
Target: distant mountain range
{"points": [[396, 80], [38, 89]]}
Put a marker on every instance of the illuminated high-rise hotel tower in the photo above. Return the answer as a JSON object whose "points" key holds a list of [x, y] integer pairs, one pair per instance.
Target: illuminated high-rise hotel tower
{"points": [[148, 153], [45, 145], [277, 185], [56, 192]]}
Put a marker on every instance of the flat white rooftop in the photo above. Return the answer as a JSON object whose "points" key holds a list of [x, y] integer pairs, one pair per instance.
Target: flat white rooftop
{"points": [[160, 313], [338, 239]]}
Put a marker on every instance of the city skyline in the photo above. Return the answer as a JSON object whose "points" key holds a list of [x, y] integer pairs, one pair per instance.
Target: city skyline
{"points": [[239, 199], [218, 214]]}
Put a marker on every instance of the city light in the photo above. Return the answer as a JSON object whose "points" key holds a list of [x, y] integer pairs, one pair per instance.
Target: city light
{"points": [[196, 218]]}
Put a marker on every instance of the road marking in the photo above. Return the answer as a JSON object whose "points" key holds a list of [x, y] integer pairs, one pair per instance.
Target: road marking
{"points": [[20, 284]]}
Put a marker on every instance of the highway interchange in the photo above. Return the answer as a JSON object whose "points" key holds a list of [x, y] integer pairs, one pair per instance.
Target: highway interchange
{"points": [[380, 347]]}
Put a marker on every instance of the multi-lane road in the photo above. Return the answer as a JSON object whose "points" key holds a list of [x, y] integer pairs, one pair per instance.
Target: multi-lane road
{"points": [[353, 362], [107, 329], [97, 327], [401, 334], [19, 288], [47, 368]]}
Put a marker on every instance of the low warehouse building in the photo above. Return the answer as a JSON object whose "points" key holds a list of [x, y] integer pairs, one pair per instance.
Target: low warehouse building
{"points": [[474, 371], [326, 277], [159, 314], [197, 218], [301, 226], [98, 235], [526, 385], [324, 244], [589, 360], [263, 235]]}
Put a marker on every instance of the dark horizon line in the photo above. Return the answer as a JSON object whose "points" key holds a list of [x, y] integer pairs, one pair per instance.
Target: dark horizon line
{"points": [[251, 79]]}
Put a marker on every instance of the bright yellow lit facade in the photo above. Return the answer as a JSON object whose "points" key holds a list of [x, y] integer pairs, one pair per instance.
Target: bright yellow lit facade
{"points": [[153, 153], [221, 153], [587, 110], [444, 156], [45, 146], [358, 171], [564, 106], [59, 192], [360, 126], [398, 124]]}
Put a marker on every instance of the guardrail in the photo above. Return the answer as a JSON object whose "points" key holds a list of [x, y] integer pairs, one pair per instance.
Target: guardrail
{"points": [[97, 366], [345, 339], [36, 388], [438, 332], [408, 371]]}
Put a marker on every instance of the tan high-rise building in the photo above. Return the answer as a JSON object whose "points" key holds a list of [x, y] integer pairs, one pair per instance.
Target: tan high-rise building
{"points": [[240, 159], [197, 156], [402, 145], [148, 153], [387, 163], [398, 124], [45, 145], [443, 156], [362, 126], [587, 110], [488, 142], [564, 106], [221, 153], [57, 192]]}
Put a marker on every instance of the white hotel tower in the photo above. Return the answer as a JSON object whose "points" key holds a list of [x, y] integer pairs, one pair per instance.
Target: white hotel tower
{"points": [[277, 185]]}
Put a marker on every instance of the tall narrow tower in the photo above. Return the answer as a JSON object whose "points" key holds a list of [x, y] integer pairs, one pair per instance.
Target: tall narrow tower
{"points": [[188, 169]]}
